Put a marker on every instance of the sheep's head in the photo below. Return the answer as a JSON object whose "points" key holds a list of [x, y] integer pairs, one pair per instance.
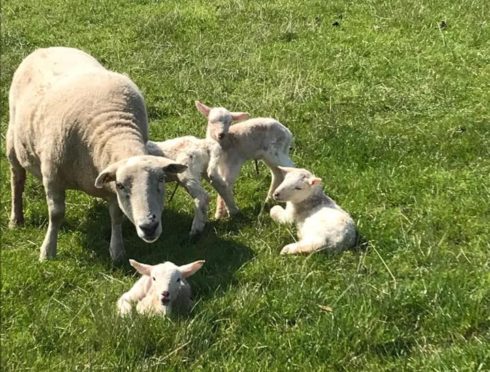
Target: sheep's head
{"points": [[219, 120], [139, 183], [166, 281], [297, 185]]}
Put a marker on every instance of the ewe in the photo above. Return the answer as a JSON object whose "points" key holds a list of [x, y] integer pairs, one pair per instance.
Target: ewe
{"points": [[162, 289], [320, 222], [200, 155], [75, 125], [260, 139]]}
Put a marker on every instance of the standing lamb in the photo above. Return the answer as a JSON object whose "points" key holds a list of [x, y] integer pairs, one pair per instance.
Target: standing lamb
{"points": [[260, 139], [162, 289], [320, 222], [75, 125], [200, 155]]}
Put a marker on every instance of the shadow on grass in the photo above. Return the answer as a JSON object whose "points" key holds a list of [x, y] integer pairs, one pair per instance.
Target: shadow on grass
{"points": [[223, 256]]}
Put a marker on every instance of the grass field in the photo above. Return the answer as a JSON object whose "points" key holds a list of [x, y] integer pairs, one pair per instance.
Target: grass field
{"points": [[389, 104]]}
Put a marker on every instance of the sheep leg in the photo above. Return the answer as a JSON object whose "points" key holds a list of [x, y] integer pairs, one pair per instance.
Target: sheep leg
{"points": [[17, 181], [116, 246], [225, 192], [277, 178], [56, 208], [303, 246], [201, 202], [229, 174], [273, 160]]}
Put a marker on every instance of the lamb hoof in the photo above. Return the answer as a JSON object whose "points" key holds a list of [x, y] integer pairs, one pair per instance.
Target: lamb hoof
{"points": [[123, 309], [14, 223], [275, 212], [288, 250]]}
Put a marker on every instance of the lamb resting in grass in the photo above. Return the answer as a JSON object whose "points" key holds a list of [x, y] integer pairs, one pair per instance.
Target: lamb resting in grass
{"points": [[75, 125], [320, 222], [201, 157], [260, 139], [162, 289]]}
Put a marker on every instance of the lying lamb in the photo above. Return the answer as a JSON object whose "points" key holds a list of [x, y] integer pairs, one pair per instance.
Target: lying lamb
{"points": [[162, 289], [260, 139], [320, 222], [75, 125], [200, 156]]}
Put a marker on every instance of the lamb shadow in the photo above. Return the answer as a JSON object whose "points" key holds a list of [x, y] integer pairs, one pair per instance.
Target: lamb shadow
{"points": [[223, 256]]}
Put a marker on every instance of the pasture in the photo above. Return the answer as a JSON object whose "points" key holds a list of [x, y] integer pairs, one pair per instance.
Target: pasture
{"points": [[388, 103]]}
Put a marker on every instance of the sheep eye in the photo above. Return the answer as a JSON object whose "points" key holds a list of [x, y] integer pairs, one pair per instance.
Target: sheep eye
{"points": [[178, 280], [119, 185], [298, 188], [153, 278]]}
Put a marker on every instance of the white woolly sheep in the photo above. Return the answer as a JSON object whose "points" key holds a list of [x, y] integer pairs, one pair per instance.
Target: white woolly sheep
{"points": [[320, 222], [162, 289], [201, 157], [75, 125], [260, 139]]}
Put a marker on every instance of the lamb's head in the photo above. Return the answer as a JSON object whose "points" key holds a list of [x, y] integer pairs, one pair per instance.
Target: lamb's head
{"points": [[219, 120], [166, 281], [298, 184], [139, 183]]}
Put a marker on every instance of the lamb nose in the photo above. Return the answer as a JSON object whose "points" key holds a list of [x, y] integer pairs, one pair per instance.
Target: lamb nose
{"points": [[165, 294]]}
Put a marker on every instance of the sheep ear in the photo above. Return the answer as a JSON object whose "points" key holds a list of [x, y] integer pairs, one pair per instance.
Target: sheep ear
{"points": [[107, 175], [191, 269], [286, 169], [143, 269], [314, 181], [239, 116], [202, 108]]}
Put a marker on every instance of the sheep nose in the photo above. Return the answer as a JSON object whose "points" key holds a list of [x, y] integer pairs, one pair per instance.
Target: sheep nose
{"points": [[165, 294], [221, 136], [149, 228]]}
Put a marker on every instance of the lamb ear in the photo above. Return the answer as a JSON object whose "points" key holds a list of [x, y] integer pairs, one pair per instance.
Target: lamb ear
{"points": [[191, 269], [143, 269], [239, 116], [107, 175], [174, 168], [314, 181], [202, 108]]}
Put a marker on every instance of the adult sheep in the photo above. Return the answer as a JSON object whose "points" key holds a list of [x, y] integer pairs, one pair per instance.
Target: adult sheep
{"points": [[76, 125]]}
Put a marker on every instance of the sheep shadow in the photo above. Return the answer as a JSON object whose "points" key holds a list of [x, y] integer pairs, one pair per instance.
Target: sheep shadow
{"points": [[223, 256]]}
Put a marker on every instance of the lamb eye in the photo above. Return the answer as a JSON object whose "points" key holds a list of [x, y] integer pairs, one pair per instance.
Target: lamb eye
{"points": [[178, 280], [119, 185], [153, 278], [298, 188]]}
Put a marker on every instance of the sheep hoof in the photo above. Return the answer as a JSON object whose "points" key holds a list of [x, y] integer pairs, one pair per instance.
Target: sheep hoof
{"points": [[118, 259], [195, 235]]}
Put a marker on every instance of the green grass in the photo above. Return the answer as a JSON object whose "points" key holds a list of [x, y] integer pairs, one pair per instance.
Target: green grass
{"points": [[389, 107]]}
